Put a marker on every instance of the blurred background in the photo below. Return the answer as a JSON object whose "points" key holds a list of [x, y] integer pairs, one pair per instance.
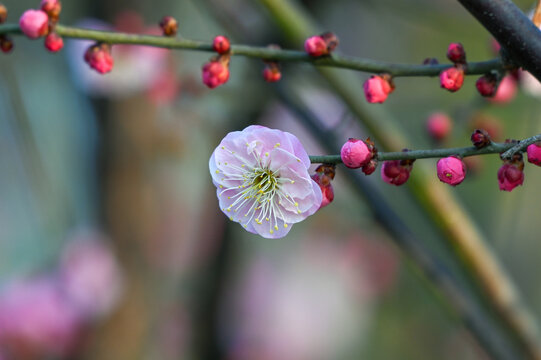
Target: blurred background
{"points": [[112, 245]]}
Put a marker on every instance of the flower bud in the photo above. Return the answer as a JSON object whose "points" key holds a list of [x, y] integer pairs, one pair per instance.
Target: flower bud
{"points": [[323, 177], [34, 23], [370, 167], [430, 61], [377, 88], [316, 46], [451, 170], [53, 42], [221, 44], [327, 191], [487, 85], [271, 73], [6, 44], [169, 26], [99, 58], [439, 126], [534, 153], [3, 13], [456, 53], [331, 40], [52, 8], [355, 153], [510, 176], [215, 73], [396, 172], [452, 78], [480, 138], [506, 90]]}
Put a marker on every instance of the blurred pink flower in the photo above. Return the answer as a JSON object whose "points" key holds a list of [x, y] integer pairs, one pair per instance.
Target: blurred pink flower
{"points": [[136, 70], [90, 275], [262, 180], [309, 305], [36, 321]]}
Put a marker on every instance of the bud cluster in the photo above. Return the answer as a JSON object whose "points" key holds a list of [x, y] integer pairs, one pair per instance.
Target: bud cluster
{"points": [[323, 177]]}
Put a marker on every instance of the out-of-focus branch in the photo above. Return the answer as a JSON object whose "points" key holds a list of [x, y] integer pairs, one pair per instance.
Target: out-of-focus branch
{"points": [[520, 38]]}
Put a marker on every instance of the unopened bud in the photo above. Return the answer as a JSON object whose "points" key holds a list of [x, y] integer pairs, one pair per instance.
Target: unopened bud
{"points": [[456, 53], [480, 138], [221, 44], [169, 26]]}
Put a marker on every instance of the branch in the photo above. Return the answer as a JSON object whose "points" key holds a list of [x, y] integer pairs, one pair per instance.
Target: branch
{"points": [[508, 150], [514, 31], [266, 53]]}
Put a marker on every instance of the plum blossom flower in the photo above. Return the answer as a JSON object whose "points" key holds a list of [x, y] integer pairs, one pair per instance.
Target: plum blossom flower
{"points": [[262, 180]]}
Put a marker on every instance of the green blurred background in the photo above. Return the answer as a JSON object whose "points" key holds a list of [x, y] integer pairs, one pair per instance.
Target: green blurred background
{"points": [[199, 287]]}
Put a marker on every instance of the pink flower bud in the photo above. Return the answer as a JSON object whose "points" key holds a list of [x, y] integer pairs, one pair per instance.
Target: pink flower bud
{"points": [[370, 167], [6, 44], [456, 53], [53, 42], [506, 90], [452, 78], [34, 23], [316, 46], [487, 85], [480, 138], [271, 73], [327, 191], [52, 8], [221, 44], [377, 88], [215, 73], [439, 125], [510, 176], [355, 153], [396, 172], [99, 58], [534, 153], [451, 170], [169, 26]]}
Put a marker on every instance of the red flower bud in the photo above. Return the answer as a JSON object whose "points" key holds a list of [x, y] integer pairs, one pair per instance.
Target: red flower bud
{"points": [[215, 73], [510, 176], [34, 23], [99, 58], [534, 153], [53, 42], [169, 26], [480, 138], [456, 53], [396, 172], [487, 85], [3, 13], [452, 78], [377, 88], [451, 170], [52, 8], [355, 153], [221, 44], [439, 126], [271, 73], [6, 44]]}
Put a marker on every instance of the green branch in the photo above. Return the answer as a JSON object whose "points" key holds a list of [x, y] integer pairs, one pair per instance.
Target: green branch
{"points": [[506, 149], [265, 53]]}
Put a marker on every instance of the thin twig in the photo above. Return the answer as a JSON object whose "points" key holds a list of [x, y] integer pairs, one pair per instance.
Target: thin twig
{"points": [[506, 149], [266, 53]]}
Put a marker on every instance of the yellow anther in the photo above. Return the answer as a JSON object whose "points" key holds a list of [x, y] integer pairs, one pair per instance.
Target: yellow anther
{"points": [[298, 160], [225, 163], [229, 197], [271, 231], [298, 211], [228, 209], [217, 171], [242, 165], [293, 181], [231, 218], [266, 154], [296, 204], [267, 219], [223, 147], [285, 225], [276, 227], [221, 186], [277, 144]]}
